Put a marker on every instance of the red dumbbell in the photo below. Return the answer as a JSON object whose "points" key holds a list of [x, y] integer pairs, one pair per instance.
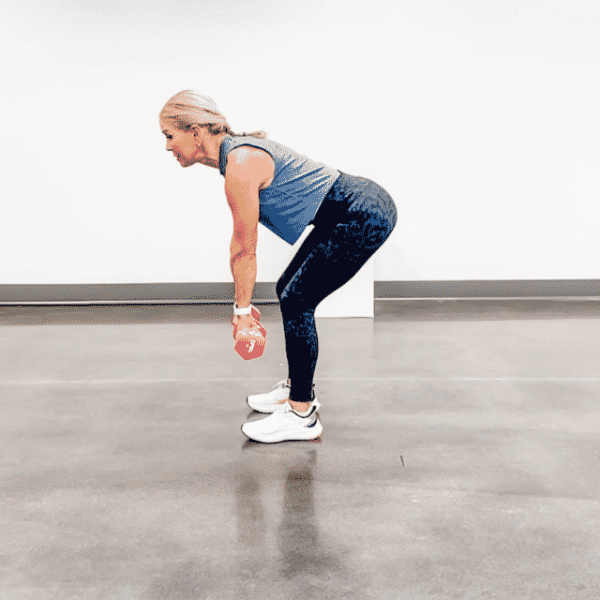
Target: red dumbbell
{"points": [[251, 343], [256, 316]]}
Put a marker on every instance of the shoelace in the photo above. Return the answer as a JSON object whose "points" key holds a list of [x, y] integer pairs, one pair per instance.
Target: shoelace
{"points": [[281, 412], [286, 407]]}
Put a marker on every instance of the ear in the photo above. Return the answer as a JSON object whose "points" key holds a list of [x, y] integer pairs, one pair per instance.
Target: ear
{"points": [[195, 129]]}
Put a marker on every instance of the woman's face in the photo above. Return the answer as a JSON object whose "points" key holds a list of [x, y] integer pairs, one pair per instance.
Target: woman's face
{"points": [[183, 144]]}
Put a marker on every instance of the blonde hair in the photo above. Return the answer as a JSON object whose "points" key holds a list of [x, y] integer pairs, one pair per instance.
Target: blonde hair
{"points": [[189, 108]]}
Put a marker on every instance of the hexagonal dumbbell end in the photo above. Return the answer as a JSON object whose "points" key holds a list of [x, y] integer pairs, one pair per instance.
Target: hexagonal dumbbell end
{"points": [[250, 344]]}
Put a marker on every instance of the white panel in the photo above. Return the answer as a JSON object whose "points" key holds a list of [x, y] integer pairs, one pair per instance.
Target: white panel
{"points": [[354, 299], [482, 120]]}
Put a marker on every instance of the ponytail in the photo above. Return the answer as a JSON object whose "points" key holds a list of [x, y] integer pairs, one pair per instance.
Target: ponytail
{"points": [[217, 128]]}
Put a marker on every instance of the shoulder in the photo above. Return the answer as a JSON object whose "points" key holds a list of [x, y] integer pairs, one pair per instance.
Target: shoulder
{"points": [[245, 156], [250, 164]]}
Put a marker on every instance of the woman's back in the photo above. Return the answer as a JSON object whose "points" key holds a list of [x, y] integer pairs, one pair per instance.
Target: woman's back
{"points": [[299, 186]]}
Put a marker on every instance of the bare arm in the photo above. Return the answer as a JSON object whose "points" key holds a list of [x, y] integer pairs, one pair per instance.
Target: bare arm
{"points": [[248, 170]]}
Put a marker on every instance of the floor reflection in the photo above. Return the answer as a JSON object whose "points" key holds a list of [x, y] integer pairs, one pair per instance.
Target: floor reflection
{"points": [[298, 533], [301, 558], [251, 528]]}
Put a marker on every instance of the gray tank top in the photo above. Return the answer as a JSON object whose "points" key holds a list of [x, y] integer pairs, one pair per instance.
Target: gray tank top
{"points": [[299, 187]]}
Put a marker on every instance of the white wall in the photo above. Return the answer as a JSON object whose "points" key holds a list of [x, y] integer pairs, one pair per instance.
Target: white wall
{"points": [[480, 117]]}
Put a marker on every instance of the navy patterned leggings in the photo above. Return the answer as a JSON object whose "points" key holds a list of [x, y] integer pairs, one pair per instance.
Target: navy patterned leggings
{"points": [[355, 219]]}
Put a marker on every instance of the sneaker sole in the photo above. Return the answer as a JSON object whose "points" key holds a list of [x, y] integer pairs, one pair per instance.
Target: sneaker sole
{"points": [[309, 434]]}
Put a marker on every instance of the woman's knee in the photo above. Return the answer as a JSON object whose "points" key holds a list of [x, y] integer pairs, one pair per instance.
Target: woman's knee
{"points": [[294, 305], [289, 305]]}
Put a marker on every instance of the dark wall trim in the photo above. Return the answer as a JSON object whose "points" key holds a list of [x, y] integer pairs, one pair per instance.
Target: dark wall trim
{"points": [[487, 289], [265, 292]]}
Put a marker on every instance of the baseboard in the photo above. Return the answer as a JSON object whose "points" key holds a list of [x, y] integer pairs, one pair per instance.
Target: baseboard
{"points": [[488, 289], [264, 292]]}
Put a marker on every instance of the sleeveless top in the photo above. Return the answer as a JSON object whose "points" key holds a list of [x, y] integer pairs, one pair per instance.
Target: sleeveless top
{"points": [[299, 186]]}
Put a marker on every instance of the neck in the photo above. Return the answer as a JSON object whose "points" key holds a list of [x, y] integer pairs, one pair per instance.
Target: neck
{"points": [[212, 147]]}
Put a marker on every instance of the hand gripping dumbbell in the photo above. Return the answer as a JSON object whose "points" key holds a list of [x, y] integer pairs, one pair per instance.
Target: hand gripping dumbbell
{"points": [[251, 343]]}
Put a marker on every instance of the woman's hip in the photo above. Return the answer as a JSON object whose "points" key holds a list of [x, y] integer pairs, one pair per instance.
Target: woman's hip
{"points": [[351, 196]]}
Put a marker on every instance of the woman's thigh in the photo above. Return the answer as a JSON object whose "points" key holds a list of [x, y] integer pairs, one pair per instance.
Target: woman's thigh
{"points": [[335, 251]]}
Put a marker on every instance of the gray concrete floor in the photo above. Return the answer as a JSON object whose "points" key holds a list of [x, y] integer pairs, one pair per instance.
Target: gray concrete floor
{"points": [[460, 457]]}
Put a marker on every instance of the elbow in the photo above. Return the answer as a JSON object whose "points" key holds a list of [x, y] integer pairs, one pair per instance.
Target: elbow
{"points": [[244, 253], [243, 245], [242, 250]]}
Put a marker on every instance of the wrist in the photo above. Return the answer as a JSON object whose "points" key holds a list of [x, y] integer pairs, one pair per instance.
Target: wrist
{"points": [[242, 311]]}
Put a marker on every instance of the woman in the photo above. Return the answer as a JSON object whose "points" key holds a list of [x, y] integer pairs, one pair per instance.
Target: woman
{"points": [[285, 191]]}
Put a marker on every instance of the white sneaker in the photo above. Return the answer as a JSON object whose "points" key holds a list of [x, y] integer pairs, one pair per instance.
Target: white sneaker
{"points": [[271, 401], [285, 425]]}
